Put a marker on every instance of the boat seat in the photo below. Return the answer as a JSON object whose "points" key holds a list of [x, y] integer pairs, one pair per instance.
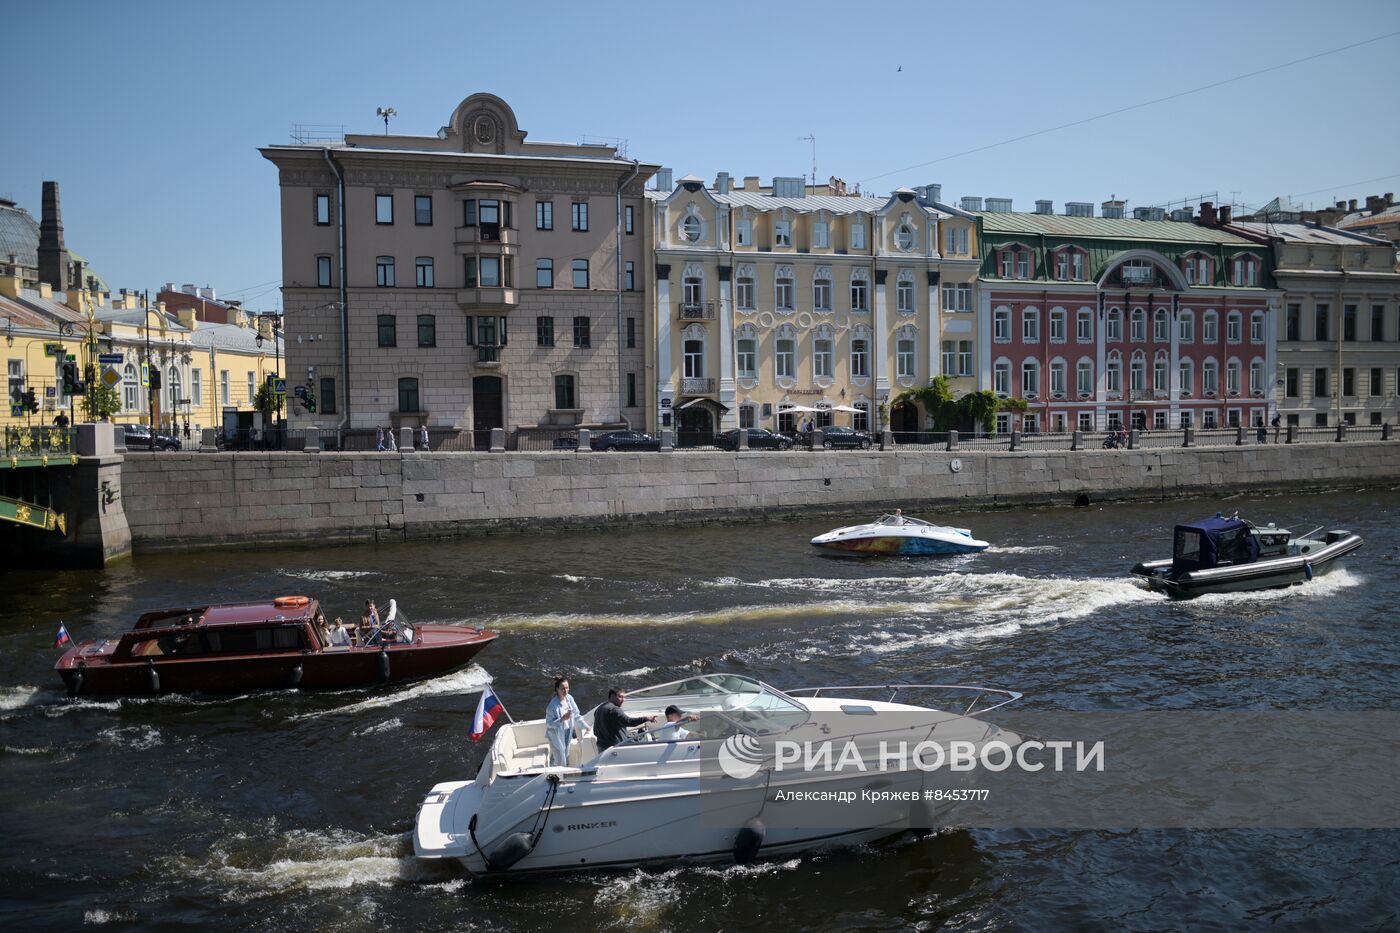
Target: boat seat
{"points": [[582, 749]]}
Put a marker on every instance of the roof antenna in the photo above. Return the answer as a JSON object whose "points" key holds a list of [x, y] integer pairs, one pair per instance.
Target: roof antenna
{"points": [[810, 138], [388, 113]]}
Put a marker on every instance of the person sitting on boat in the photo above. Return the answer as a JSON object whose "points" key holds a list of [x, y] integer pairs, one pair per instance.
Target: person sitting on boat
{"points": [[672, 731], [340, 635], [561, 719], [369, 622], [610, 723]]}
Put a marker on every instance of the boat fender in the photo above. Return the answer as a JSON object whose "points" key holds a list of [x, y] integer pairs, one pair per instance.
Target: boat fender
{"points": [[383, 663], [75, 682], [514, 848], [1307, 570], [294, 680], [152, 676], [747, 841]]}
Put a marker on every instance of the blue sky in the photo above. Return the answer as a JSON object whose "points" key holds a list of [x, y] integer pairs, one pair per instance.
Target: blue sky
{"points": [[150, 114]]}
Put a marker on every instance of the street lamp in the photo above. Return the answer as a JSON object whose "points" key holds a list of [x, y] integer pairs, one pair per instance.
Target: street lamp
{"points": [[276, 325]]}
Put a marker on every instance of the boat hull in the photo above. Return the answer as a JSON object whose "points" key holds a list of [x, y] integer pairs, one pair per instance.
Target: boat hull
{"points": [[439, 649], [1267, 574], [897, 541]]}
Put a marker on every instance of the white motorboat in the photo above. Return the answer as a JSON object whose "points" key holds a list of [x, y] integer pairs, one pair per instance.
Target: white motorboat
{"points": [[898, 534], [710, 796]]}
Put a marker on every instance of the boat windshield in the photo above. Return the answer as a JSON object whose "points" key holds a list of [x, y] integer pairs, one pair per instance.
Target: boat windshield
{"points": [[396, 616], [724, 703], [899, 520]]}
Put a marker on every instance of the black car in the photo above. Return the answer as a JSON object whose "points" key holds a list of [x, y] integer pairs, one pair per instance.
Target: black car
{"points": [[759, 439], [624, 440], [846, 437], [138, 437]]}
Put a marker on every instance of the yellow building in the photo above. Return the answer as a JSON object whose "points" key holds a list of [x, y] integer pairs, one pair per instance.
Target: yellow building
{"points": [[772, 299]]}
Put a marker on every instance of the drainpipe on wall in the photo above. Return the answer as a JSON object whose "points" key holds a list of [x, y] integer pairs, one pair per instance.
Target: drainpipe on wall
{"points": [[621, 376], [344, 306]]}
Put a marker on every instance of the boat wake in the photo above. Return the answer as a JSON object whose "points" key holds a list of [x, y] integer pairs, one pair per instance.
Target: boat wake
{"points": [[643, 898], [134, 738], [327, 575], [1328, 584], [468, 680]]}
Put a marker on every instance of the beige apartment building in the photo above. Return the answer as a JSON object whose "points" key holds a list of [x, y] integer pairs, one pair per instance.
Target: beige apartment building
{"points": [[772, 299], [1339, 344], [468, 280]]}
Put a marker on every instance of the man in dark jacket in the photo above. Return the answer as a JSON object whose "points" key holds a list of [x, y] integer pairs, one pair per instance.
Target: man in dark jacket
{"points": [[610, 722]]}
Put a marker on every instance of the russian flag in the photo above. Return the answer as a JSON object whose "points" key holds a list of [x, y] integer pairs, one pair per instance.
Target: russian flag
{"points": [[486, 712], [62, 638]]}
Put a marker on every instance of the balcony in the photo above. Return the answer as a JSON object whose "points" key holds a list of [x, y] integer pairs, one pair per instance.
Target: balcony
{"points": [[489, 234], [502, 299], [488, 357], [693, 386], [696, 310]]}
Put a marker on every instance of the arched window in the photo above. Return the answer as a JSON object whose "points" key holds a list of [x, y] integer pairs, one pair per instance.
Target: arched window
{"points": [[746, 351], [1233, 327], [131, 396], [1186, 327], [782, 289], [860, 290], [1139, 325], [1001, 377], [821, 289], [1256, 376], [1160, 374], [743, 288], [1057, 325], [860, 352], [172, 388], [1232, 376], [1210, 378], [1057, 378], [1113, 373], [1084, 326], [823, 350], [1210, 327], [1113, 332], [693, 351], [906, 347], [1030, 378], [1187, 375], [785, 353], [1138, 372], [1030, 325], [1084, 377], [693, 287], [1161, 327], [904, 292], [1001, 325]]}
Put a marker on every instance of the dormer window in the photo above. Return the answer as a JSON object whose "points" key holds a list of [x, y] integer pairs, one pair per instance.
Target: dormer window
{"points": [[819, 234], [782, 233], [743, 232], [857, 236], [904, 237], [1015, 262], [1196, 267], [1069, 265], [690, 229], [1246, 271]]}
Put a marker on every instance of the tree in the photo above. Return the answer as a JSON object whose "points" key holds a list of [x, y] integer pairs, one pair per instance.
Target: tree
{"points": [[946, 413], [264, 401], [101, 401]]}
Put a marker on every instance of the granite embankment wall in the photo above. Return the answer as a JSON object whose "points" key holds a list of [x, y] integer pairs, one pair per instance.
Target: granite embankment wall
{"points": [[176, 500]]}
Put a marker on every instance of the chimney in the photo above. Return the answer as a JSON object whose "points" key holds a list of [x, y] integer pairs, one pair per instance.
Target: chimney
{"points": [[1079, 209], [1207, 214], [999, 205], [1225, 211], [207, 293], [1045, 207], [971, 203], [1389, 198], [186, 317], [722, 183], [53, 255], [1375, 203], [663, 179], [1351, 205], [1112, 208], [935, 192]]}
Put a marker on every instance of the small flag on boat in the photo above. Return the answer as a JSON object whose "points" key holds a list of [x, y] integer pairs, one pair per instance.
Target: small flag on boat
{"points": [[486, 712], [62, 638]]}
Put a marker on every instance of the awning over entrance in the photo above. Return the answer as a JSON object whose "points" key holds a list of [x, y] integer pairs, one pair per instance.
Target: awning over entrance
{"points": [[697, 401]]}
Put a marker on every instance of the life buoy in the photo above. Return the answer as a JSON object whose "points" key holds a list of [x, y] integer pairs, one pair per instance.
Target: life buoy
{"points": [[290, 602]]}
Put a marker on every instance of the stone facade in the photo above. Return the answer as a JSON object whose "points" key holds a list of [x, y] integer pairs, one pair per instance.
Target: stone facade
{"points": [[449, 243], [179, 500]]}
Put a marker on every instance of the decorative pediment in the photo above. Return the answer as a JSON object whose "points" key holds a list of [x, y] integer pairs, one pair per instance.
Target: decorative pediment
{"points": [[484, 123]]}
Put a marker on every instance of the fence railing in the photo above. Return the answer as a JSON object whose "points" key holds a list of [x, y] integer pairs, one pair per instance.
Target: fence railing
{"points": [[24, 443]]}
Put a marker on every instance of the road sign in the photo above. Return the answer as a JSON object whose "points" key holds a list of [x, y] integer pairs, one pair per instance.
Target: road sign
{"points": [[279, 386], [145, 374], [111, 377], [16, 411], [111, 359], [53, 349]]}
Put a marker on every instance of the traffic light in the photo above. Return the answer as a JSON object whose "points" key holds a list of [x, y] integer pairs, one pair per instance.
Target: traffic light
{"points": [[155, 378], [30, 401], [70, 378]]}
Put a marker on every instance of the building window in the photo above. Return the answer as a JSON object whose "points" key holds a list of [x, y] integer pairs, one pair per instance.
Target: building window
{"points": [[1233, 326], [1069, 265], [819, 235], [1378, 322], [1113, 332], [387, 336], [326, 402], [821, 358], [746, 416], [423, 210], [1086, 421], [1256, 377], [784, 357], [743, 292], [1376, 388], [1084, 378], [197, 387], [1003, 423], [544, 215], [782, 296], [1084, 326], [383, 208], [427, 330], [747, 354], [1161, 328], [544, 331], [629, 276], [1057, 325], [544, 273], [857, 236], [487, 331], [252, 387], [1295, 325], [1001, 325], [1349, 322], [323, 271], [1001, 377], [904, 357], [628, 227], [693, 354], [1138, 330], [469, 212], [950, 357], [1159, 374], [860, 418], [964, 357], [579, 216], [224, 393], [1016, 263], [957, 297], [564, 395], [860, 357], [1210, 378], [1137, 373], [580, 273], [131, 396], [1246, 271], [1186, 375], [904, 296], [1349, 382], [384, 271], [956, 238], [1322, 322], [821, 294], [904, 238], [1290, 382], [743, 232], [782, 233], [631, 333], [692, 291], [1186, 327], [691, 229], [1113, 374], [423, 271], [1030, 325], [631, 389], [1210, 330], [582, 337], [491, 272], [323, 210], [859, 293], [1256, 327]]}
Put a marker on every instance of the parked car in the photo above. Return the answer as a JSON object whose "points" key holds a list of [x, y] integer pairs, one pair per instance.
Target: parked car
{"points": [[759, 439], [138, 437], [624, 440], [846, 437]]}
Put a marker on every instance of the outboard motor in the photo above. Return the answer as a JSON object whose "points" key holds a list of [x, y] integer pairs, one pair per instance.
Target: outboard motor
{"points": [[747, 841]]}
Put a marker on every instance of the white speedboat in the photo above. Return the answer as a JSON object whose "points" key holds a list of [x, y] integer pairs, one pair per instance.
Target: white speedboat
{"points": [[899, 535], [715, 794]]}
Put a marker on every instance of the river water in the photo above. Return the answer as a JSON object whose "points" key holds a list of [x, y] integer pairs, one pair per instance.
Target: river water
{"points": [[293, 811]]}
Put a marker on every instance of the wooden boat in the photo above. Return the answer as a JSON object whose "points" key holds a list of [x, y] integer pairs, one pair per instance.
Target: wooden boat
{"points": [[272, 645], [1229, 555]]}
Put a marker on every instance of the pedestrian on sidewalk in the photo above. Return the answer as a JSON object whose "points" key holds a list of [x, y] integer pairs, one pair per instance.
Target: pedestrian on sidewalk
{"points": [[1275, 424], [379, 438]]}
